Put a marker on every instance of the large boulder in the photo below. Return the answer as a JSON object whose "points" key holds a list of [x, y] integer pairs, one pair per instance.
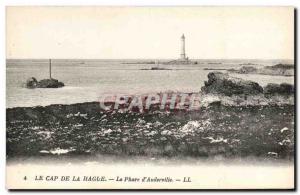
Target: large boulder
{"points": [[31, 83], [281, 89], [220, 83]]}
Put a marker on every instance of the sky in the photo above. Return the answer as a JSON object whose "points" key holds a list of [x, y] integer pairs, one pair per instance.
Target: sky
{"points": [[149, 32]]}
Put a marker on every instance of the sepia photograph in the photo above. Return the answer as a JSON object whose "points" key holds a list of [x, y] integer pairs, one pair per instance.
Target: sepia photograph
{"points": [[150, 98]]}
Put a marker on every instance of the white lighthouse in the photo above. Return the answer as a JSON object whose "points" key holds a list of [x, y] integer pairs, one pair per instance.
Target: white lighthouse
{"points": [[182, 53], [183, 59]]}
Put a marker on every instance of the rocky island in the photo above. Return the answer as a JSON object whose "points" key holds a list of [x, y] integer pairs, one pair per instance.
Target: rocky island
{"points": [[32, 82]]}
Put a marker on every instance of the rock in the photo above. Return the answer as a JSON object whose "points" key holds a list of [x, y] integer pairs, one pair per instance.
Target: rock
{"points": [[220, 83], [247, 70], [31, 83], [281, 66], [166, 132], [273, 154], [278, 69], [282, 89], [125, 139], [163, 139], [50, 83], [190, 127], [284, 129], [44, 152]]}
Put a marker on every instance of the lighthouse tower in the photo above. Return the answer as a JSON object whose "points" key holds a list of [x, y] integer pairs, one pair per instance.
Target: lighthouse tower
{"points": [[182, 53]]}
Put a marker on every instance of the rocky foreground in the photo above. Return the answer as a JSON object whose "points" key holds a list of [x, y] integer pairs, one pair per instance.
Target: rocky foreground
{"points": [[237, 118]]}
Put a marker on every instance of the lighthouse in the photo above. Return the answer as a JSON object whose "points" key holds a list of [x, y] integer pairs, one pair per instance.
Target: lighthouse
{"points": [[183, 59], [182, 53]]}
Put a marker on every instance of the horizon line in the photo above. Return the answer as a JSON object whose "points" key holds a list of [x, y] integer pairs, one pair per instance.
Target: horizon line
{"points": [[149, 58]]}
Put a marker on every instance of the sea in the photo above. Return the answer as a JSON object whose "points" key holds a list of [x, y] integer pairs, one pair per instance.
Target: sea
{"points": [[88, 79]]}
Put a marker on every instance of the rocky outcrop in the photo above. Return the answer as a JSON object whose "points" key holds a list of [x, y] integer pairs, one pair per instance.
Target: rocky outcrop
{"points": [[247, 69], [180, 62], [278, 69], [279, 89], [32, 83], [220, 83], [281, 66], [50, 83]]}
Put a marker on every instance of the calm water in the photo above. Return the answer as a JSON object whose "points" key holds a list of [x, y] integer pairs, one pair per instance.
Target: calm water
{"points": [[86, 80]]}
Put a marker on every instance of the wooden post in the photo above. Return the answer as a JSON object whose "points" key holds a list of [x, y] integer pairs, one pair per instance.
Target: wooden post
{"points": [[50, 68]]}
